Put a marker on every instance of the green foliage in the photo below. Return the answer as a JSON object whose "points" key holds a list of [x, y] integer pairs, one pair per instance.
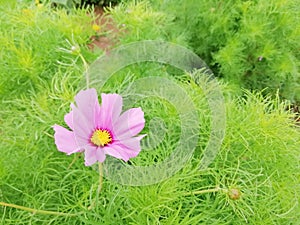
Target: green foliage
{"points": [[259, 158], [33, 40], [256, 127], [40, 75], [254, 44], [137, 20]]}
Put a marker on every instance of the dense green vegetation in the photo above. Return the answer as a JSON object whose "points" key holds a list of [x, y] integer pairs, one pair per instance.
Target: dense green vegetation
{"points": [[254, 44], [253, 180]]}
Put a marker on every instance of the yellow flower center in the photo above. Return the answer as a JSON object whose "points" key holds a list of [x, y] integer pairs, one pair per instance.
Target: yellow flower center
{"points": [[101, 138]]}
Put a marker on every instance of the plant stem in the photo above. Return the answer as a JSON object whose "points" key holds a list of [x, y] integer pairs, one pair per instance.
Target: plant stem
{"points": [[203, 191], [36, 211], [100, 168], [74, 160], [86, 67]]}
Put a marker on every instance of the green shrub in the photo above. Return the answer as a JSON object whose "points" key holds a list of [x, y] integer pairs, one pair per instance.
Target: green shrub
{"points": [[139, 21], [257, 168], [34, 40], [254, 44], [259, 159]]}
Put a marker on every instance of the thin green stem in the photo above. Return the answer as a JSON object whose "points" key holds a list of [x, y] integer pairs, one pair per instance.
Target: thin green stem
{"points": [[100, 168], [86, 67], [74, 160], [37, 211], [203, 191]]}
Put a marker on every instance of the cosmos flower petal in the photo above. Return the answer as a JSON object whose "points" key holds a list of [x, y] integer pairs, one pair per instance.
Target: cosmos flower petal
{"points": [[87, 105], [110, 110], [82, 130], [90, 155], [69, 118], [125, 149], [117, 152], [100, 155], [65, 140], [132, 143], [129, 124]]}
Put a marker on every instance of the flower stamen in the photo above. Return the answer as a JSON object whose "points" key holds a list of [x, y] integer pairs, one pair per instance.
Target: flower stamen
{"points": [[101, 137]]}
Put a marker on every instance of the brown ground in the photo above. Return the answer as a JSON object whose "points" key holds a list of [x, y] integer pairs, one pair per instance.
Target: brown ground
{"points": [[107, 36]]}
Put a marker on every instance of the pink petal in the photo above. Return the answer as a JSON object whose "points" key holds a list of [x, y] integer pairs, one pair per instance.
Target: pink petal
{"points": [[93, 154], [110, 110], [65, 140], [90, 155], [85, 115], [69, 118], [117, 152], [82, 129], [100, 154], [87, 107], [129, 124], [125, 149]]}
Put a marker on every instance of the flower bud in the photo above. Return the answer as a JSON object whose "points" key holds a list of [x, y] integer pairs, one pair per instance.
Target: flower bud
{"points": [[234, 193]]}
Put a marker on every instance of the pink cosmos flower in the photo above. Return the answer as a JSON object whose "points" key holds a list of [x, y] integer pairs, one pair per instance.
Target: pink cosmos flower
{"points": [[100, 130]]}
